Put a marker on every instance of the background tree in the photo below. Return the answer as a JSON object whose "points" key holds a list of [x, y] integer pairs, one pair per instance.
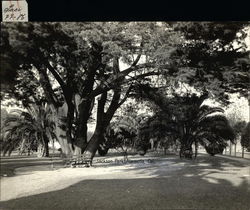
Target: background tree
{"points": [[28, 130], [245, 138], [3, 115], [185, 117], [214, 57], [122, 131]]}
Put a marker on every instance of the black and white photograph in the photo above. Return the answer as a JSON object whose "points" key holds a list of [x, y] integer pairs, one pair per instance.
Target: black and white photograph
{"points": [[116, 115]]}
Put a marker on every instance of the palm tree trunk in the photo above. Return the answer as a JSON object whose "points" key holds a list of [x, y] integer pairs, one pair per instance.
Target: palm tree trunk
{"points": [[40, 150], [43, 146], [46, 146]]}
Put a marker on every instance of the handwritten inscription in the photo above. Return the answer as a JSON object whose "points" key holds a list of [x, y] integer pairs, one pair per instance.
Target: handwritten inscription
{"points": [[13, 11]]}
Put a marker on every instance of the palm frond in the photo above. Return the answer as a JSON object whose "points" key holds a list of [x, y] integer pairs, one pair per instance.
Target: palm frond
{"points": [[205, 111]]}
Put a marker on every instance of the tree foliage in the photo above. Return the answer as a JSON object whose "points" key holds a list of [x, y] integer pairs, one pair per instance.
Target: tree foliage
{"points": [[122, 131], [214, 57], [185, 118], [28, 130], [68, 65], [245, 138], [83, 60]]}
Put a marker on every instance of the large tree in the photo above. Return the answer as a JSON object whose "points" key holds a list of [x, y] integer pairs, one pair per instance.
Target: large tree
{"points": [[75, 62]]}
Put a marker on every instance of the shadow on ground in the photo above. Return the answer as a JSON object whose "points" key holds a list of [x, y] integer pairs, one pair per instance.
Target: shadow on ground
{"points": [[9, 164], [187, 188]]}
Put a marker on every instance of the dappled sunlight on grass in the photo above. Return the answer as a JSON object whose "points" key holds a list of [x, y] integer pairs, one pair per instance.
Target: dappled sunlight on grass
{"points": [[145, 193], [36, 179]]}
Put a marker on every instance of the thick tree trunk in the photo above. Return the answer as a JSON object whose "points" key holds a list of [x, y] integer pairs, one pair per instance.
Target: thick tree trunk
{"points": [[196, 149], [81, 139], [101, 126], [5, 148], [103, 120], [10, 150], [96, 140], [94, 143], [80, 142], [69, 121], [86, 105], [60, 131]]}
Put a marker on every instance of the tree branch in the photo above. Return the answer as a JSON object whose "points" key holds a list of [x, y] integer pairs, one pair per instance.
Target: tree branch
{"points": [[56, 75], [100, 108], [113, 105], [66, 91], [46, 85], [141, 76], [112, 81], [117, 94], [126, 96], [136, 60]]}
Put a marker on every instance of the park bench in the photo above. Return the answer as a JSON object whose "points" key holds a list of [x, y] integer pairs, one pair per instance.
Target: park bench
{"points": [[186, 153], [79, 162]]}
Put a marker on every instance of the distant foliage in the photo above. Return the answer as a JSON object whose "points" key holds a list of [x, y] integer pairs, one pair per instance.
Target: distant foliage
{"points": [[122, 132], [245, 138]]}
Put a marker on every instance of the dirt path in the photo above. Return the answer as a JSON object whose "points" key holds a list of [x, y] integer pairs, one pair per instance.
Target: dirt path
{"points": [[33, 180], [160, 179]]}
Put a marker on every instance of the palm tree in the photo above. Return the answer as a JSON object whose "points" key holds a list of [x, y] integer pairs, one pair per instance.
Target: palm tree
{"points": [[183, 118], [212, 132], [188, 125], [26, 129], [18, 134]]}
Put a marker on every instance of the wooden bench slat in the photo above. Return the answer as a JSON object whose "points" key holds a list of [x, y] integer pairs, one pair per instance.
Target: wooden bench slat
{"points": [[79, 162]]}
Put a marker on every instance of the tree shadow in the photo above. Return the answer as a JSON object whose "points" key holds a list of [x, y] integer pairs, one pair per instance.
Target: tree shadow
{"points": [[198, 184], [202, 166], [8, 165], [151, 193]]}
